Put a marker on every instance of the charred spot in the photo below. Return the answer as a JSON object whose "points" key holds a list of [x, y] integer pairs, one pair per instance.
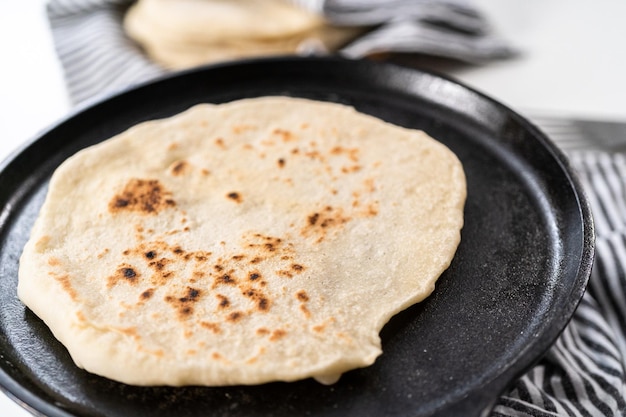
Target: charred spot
{"points": [[256, 260], [147, 294], [238, 257], [125, 273], [225, 279], [183, 305], [223, 301], [159, 265], [178, 167], [263, 304], [144, 196], [150, 254], [178, 250], [191, 296], [319, 224], [281, 162], [235, 196], [302, 296], [285, 274], [253, 276], [218, 267], [121, 202], [235, 316], [129, 273], [297, 267]]}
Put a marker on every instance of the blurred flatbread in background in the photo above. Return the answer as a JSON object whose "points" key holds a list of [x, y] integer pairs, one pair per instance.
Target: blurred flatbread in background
{"points": [[184, 33]]}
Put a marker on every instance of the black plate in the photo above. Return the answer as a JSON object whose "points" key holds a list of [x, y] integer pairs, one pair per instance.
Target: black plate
{"points": [[520, 271]]}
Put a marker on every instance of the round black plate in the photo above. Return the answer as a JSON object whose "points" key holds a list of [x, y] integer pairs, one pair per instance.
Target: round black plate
{"points": [[520, 271]]}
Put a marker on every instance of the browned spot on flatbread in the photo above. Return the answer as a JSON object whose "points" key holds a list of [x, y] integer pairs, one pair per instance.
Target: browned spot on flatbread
{"points": [[322, 222], [124, 273], [52, 261], [179, 168], [219, 142], [235, 316], [160, 273], [262, 302], [277, 335], [347, 169], [284, 135], [213, 327], [146, 196], [254, 276], [305, 310], [184, 305], [146, 295], [237, 129], [43, 242], [303, 297], [234, 196], [351, 153], [262, 331], [66, 284], [223, 301], [224, 279]]}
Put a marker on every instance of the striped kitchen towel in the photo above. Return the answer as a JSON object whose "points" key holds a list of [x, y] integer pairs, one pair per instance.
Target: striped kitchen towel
{"points": [[97, 56], [583, 374]]}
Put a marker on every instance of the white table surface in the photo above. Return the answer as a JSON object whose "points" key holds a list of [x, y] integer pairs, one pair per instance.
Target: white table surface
{"points": [[572, 63]]}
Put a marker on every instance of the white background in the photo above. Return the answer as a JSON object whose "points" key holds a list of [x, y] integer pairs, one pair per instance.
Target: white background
{"points": [[572, 63]]}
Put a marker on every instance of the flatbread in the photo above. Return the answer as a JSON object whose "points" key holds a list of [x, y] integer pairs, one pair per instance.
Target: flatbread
{"points": [[265, 239], [184, 33]]}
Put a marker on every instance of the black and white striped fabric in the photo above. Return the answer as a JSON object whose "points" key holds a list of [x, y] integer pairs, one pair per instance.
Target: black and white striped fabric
{"points": [[98, 57], [583, 374]]}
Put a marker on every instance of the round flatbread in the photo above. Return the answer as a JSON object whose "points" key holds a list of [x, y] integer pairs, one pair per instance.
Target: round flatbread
{"points": [[184, 33], [266, 239]]}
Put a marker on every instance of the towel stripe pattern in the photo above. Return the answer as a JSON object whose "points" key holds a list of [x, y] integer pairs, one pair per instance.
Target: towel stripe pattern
{"points": [[97, 56]]}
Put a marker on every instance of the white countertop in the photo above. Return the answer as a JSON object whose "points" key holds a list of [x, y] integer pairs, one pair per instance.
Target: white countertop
{"points": [[572, 63]]}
